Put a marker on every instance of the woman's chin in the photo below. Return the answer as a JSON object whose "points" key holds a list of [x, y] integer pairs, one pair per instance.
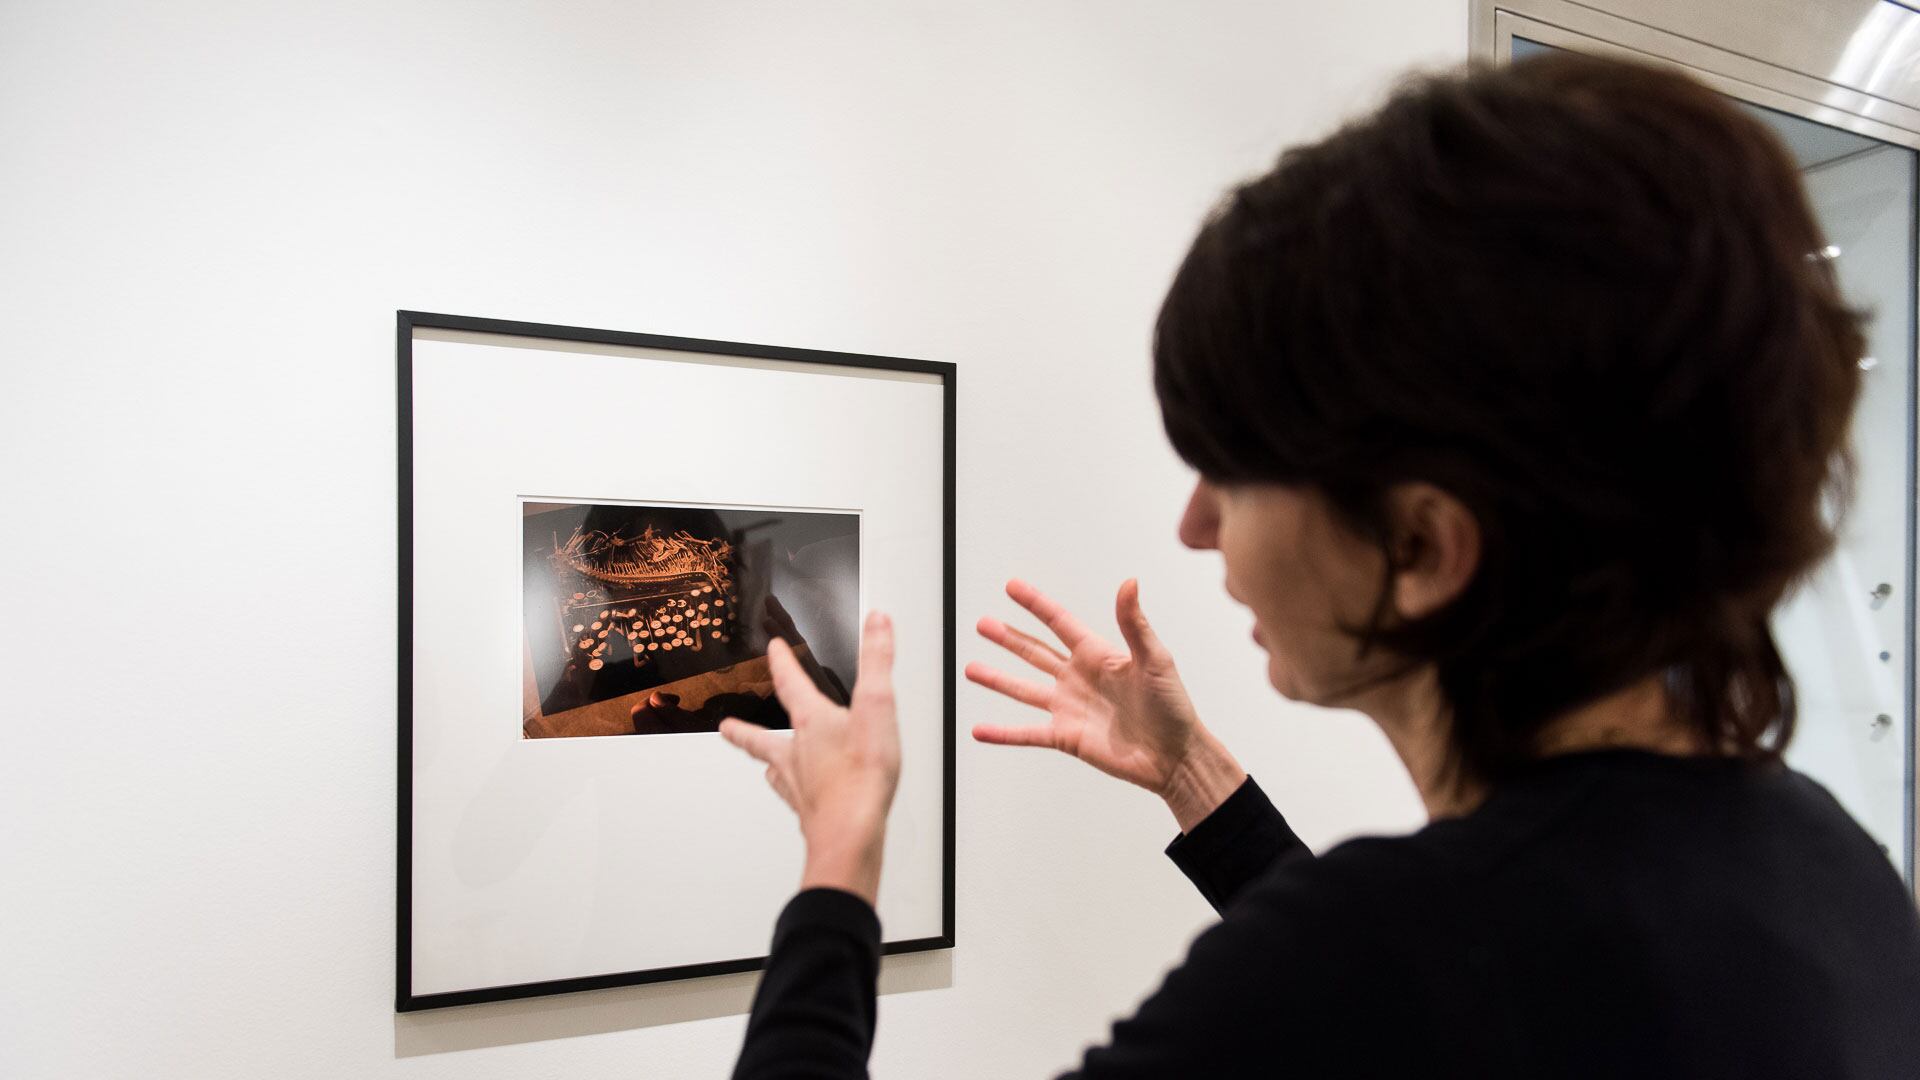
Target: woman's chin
{"points": [[1277, 677], [1285, 682]]}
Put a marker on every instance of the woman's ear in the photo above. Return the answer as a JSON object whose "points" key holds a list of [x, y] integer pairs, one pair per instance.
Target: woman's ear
{"points": [[1436, 548]]}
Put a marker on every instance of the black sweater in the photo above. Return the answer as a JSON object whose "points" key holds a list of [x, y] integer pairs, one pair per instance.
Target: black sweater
{"points": [[1606, 914]]}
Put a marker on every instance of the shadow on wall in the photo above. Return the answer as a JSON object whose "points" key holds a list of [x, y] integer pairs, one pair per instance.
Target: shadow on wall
{"points": [[595, 1012]]}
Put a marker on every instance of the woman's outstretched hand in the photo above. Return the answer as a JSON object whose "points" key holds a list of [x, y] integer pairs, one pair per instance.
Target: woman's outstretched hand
{"points": [[1123, 711], [839, 768]]}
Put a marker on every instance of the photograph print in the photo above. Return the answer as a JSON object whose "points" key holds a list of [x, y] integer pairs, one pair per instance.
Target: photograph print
{"points": [[646, 619]]}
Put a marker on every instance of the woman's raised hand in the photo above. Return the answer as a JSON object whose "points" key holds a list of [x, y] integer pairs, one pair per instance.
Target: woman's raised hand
{"points": [[1123, 711], [839, 768]]}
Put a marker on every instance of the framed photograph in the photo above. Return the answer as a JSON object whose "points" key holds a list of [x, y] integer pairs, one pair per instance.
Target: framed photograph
{"points": [[600, 533]]}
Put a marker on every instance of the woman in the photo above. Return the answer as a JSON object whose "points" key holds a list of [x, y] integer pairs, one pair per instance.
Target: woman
{"points": [[1514, 407]]}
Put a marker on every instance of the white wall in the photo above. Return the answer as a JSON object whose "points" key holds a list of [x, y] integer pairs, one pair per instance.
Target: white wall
{"points": [[208, 214]]}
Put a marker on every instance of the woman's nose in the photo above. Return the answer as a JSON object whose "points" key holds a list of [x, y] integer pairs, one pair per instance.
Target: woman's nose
{"points": [[1200, 523]]}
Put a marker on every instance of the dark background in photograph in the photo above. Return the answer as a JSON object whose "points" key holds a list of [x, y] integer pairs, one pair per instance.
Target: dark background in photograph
{"points": [[789, 573]]}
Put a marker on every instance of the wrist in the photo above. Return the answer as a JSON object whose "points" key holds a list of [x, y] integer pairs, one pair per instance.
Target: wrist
{"points": [[1202, 780], [848, 860]]}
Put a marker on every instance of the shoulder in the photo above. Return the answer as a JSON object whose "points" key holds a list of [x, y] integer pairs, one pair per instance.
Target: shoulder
{"points": [[1378, 934], [1320, 940], [1599, 849], [1369, 870], [1374, 873], [1371, 906], [1436, 885]]}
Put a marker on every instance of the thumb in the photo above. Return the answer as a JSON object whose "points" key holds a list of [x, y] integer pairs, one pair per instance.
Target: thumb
{"points": [[1142, 642]]}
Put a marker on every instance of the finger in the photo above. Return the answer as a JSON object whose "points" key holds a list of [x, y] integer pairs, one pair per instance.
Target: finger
{"points": [[1141, 640], [1023, 645], [790, 682], [1020, 690], [759, 743], [998, 735], [1068, 629], [777, 780], [874, 679]]}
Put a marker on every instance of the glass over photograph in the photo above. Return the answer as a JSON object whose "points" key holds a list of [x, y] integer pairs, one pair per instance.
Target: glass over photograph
{"points": [[655, 619]]}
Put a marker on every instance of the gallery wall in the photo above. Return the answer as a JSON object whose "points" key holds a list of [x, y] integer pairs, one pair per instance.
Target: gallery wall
{"points": [[208, 215]]}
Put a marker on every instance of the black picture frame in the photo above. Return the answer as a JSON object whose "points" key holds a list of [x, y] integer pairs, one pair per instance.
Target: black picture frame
{"points": [[407, 322]]}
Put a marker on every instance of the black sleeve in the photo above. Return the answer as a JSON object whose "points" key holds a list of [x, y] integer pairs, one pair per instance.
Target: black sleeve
{"points": [[813, 1015], [1242, 839]]}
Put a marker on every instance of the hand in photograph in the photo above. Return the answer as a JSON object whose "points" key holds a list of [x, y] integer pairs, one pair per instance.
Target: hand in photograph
{"points": [[1123, 711], [839, 768], [661, 711]]}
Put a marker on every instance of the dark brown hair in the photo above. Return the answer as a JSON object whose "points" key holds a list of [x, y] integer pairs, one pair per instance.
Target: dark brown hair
{"points": [[1586, 298]]}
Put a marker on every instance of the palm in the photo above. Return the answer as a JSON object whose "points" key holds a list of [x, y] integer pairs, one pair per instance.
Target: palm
{"points": [[1123, 711]]}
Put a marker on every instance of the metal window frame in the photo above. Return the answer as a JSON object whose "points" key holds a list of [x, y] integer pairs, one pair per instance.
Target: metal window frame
{"points": [[1840, 28]]}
